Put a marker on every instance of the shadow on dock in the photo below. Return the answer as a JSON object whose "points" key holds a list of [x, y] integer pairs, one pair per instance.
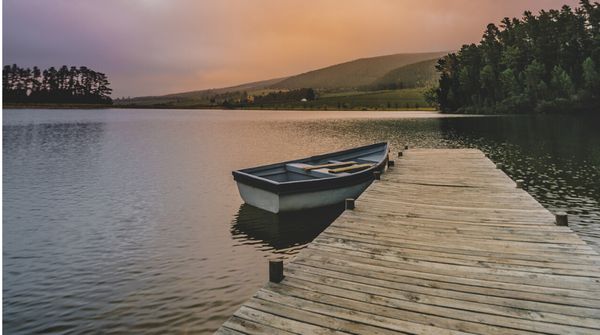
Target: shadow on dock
{"points": [[283, 232]]}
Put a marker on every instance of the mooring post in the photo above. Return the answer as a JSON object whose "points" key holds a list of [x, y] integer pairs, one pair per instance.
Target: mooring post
{"points": [[519, 183], [275, 270], [399, 153], [391, 163], [406, 147], [562, 219], [377, 175], [499, 166], [350, 203]]}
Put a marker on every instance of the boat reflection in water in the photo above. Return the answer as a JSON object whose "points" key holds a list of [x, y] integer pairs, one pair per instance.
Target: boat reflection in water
{"points": [[284, 233]]}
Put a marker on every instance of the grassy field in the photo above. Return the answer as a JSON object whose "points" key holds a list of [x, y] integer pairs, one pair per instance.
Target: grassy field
{"points": [[410, 99], [404, 99]]}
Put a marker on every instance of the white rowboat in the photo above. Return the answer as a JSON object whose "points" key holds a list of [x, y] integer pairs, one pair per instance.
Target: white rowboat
{"points": [[312, 182]]}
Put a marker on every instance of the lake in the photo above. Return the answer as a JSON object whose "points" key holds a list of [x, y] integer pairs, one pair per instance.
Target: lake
{"points": [[128, 221]]}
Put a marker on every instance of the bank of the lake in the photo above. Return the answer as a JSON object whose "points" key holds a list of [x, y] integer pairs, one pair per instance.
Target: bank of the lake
{"points": [[129, 221]]}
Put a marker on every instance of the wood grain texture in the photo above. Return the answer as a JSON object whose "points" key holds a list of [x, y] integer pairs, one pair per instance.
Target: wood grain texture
{"points": [[444, 243]]}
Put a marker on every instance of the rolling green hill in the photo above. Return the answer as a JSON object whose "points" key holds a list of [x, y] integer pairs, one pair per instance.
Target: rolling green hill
{"points": [[371, 83], [354, 74]]}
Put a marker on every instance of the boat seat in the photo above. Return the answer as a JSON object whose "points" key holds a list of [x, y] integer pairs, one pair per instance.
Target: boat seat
{"points": [[351, 168], [330, 164], [374, 158], [320, 172]]}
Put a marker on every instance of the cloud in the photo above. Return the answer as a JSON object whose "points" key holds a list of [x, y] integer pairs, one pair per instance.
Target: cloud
{"points": [[163, 46]]}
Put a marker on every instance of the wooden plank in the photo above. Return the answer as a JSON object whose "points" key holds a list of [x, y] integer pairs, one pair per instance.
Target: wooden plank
{"points": [[444, 243], [512, 242], [369, 251], [484, 260]]}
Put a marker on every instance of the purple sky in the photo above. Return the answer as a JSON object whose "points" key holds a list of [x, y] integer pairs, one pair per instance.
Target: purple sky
{"points": [[150, 47]]}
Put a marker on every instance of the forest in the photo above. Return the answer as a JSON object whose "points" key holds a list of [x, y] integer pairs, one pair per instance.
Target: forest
{"points": [[545, 63], [66, 85]]}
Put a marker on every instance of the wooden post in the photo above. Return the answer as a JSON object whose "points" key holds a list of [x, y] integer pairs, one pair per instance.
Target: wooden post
{"points": [[520, 183], [350, 203], [399, 153], [275, 270], [377, 175], [406, 147], [391, 163], [499, 166], [562, 219]]}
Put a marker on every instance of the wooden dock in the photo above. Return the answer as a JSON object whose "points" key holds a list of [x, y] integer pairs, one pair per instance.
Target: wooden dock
{"points": [[444, 243]]}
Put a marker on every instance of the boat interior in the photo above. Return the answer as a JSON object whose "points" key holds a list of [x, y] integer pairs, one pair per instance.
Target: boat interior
{"points": [[325, 167]]}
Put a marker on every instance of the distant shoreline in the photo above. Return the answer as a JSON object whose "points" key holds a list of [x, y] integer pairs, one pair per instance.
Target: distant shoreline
{"points": [[95, 106], [423, 109]]}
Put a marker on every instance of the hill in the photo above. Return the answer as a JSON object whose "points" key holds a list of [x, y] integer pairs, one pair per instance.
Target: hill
{"points": [[375, 82], [354, 74], [419, 74]]}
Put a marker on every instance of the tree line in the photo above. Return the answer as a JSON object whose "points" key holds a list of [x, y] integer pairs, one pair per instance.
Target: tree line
{"points": [[548, 62], [65, 85]]}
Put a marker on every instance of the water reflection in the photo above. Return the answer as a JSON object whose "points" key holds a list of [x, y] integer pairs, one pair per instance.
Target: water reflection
{"points": [[282, 233]]}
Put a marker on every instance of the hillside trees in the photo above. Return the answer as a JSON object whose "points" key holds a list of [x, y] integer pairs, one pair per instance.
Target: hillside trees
{"points": [[544, 63]]}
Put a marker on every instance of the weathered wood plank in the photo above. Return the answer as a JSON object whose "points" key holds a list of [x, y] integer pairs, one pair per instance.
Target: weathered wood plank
{"points": [[360, 250], [448, 290]]}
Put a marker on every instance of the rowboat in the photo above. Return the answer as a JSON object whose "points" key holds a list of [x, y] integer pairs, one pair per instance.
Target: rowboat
{"points": [[312, 182]]}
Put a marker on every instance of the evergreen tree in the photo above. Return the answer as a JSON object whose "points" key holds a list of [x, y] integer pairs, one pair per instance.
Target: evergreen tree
{"points": [[591, 78], [561, 83], [510, 84]]}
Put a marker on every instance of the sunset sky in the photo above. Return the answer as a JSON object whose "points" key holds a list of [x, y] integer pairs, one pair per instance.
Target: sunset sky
{"points": [[150, 47]]}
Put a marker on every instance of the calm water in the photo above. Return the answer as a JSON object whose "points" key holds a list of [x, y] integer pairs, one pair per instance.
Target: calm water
{"points": [[128, 221]]}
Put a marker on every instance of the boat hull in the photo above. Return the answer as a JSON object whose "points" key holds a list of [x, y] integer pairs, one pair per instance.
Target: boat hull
{"points": [[276, 203]]}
